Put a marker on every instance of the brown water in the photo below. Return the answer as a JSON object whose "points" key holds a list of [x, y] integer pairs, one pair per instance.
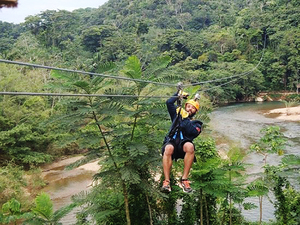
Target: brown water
{"points": [[240, 123], [63, 184]]}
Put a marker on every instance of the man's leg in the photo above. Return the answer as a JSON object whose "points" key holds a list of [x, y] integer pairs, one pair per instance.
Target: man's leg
{"points": [[167, 164], [167, 161], [189, 150]]}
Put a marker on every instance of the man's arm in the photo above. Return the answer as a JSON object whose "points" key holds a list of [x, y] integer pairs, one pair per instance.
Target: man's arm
{"points": [[172, 107], [192, 128]]}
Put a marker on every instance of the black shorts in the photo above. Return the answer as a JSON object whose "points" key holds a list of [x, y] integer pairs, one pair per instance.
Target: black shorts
{"points": [[178, 148]]}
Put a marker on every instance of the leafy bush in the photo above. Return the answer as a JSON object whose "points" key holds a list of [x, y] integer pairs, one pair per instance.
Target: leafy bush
{"points": [[11, 182]]}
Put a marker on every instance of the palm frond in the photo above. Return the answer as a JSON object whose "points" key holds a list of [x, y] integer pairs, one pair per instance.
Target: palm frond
{"points": [[104, 67]]}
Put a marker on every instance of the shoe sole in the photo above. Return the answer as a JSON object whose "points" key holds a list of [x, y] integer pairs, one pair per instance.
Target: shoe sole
{"points": [[165, 190], [181, 186]]}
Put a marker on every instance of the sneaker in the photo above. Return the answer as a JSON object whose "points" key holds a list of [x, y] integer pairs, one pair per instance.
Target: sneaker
{"points": [[185, 185], [166, 186]]}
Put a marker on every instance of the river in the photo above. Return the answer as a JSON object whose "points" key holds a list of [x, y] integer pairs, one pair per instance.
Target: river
{"points": [[240, 123], [63, 184]]}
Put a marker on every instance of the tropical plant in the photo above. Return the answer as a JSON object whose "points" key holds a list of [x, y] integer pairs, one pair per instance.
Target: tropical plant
{"points": [[122, 133], [11, 212], [258, 188], [272, 141], [220, 181], [283, 183], [43, 213]]}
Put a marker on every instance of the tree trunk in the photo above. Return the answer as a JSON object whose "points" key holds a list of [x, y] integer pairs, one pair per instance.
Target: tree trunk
{"points": [[125, 193], [201, 208], [206, 210], [126, 201], [260, 208], [150, 212]]}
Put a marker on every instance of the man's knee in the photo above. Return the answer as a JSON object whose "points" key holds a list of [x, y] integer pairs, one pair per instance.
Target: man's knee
{"points": [[169, 149], [188, 147]]}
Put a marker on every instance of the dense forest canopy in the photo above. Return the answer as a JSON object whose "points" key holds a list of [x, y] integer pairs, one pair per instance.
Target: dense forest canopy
{"points": [[241, 47]]}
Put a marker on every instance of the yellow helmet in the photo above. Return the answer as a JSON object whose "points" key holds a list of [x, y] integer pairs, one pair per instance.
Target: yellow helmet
{"points": [[194, 103]]}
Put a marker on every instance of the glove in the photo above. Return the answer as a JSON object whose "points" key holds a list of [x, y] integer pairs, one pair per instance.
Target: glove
{"points": [[183, 94]]}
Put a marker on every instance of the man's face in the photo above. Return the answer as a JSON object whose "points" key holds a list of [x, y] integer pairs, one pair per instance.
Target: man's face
{"points": [[190, 109]]}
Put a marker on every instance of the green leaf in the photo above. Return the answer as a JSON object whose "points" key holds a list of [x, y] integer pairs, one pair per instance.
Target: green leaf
{"points": [[137, 149], [157, 65], [132, 68], [81, 84], [291, 160], [12, 206], [130, 175], [61, 75], [249, 206], [63, 211], [43, 206]]}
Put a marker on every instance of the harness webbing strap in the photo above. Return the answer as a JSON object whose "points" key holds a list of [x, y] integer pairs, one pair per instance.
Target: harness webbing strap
{"points": [[175, 127]]}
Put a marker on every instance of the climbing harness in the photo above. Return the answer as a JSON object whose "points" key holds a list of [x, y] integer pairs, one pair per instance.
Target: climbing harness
{"points": [[175, 132]]}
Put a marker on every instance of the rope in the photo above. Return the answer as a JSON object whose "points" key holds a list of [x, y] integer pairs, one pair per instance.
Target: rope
{"points": [[84, 72]]}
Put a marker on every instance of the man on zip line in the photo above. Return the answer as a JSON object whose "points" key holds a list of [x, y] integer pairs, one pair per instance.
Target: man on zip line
{"points": [[178, 143]]}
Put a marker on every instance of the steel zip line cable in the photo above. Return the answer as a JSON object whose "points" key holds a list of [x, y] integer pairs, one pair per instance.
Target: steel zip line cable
{"points": [[80, 95], [233, 76], [237, 76], [84, 72], [131, 79]]}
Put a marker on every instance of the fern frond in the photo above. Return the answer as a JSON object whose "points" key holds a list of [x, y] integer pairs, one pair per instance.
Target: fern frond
{"points": [[137, 149], [62, 212], [155, 66], [43, 206], [130, 175], [132, 68]]}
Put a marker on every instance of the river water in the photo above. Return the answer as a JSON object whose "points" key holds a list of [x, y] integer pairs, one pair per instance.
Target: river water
{"points": [[63, 184], [240, 123]]}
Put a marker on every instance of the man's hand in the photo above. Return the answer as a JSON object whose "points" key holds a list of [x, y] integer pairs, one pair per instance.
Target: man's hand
{"points": [[183, 94], [179, 86]]}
